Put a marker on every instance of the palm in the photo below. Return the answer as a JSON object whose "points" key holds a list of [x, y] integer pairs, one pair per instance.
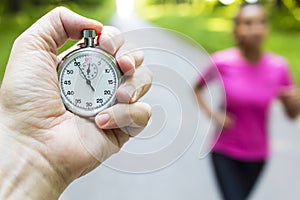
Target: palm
{"points": [[78, 143]]}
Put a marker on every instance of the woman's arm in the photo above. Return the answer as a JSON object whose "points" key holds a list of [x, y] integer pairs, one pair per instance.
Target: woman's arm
{"points": [[221, 119], [290, 98]]}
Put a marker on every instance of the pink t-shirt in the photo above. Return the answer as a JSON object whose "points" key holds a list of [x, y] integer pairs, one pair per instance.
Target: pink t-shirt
{"points": [[250, 89]]}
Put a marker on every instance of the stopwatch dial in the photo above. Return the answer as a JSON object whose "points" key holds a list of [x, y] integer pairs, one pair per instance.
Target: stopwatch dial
{"points": [[89, 70], [88, 83]]}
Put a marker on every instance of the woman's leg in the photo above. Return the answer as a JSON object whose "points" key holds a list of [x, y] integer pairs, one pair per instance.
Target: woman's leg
{"points": [[235, 178], [252, 172], [228, 176]]}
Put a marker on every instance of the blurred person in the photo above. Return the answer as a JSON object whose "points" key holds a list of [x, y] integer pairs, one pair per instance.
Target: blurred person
{"points": [[252, 79], [42, 148]]}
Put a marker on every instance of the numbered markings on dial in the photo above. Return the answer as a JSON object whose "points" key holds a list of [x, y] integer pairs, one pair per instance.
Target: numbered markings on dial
{"points": [[83, 71]]}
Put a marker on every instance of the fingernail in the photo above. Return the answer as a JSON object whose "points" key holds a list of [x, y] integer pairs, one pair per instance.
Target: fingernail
{"points": [[102, 119]]}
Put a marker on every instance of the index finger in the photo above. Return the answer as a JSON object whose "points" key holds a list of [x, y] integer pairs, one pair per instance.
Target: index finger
{"points": [[111, 40]]}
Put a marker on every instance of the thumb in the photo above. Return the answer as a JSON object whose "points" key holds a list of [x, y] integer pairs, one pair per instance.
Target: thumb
{"points": [[52, 30]]}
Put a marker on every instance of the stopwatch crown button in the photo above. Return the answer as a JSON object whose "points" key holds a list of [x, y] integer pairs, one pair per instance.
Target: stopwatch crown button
{"points": [[89, 36], [89, 33]]}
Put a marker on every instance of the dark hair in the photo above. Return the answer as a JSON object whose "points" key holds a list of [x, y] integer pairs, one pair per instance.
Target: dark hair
{"points": [[243, 5]]}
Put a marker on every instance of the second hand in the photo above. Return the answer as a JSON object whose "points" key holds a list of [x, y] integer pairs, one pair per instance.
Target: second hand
{"points": [[87, 80]]}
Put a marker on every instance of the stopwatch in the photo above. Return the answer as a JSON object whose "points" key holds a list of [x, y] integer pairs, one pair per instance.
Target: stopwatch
{"points": [[88, 78]]}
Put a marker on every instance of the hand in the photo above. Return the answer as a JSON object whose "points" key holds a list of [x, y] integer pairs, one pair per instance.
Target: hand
{"points": [[290, 98], [223, 120], [43, 146]]}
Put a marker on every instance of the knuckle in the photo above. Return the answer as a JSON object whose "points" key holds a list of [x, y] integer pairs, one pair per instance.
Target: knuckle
{"points": [[146, 75], [113, 30], [149, 73], [141, 115], [60, 9]]}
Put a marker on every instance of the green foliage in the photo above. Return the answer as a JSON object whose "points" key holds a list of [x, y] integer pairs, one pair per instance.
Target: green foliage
{"points": [[13, 6], [284, 19], [13, 24], [154, 2]]}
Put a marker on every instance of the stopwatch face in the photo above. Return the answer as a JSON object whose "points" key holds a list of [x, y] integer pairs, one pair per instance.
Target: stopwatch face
{"points": [[88, 81]]}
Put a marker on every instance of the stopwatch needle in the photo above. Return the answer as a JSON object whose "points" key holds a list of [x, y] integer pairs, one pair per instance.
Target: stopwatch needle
{"points": [[88, 70], [90, 84], [87, 80]]}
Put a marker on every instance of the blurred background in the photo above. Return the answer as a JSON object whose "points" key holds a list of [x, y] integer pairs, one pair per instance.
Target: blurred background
{"points": [[208, 23]]}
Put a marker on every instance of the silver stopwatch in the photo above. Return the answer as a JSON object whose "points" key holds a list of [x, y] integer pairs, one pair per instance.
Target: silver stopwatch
{"points": [[88, 78]]}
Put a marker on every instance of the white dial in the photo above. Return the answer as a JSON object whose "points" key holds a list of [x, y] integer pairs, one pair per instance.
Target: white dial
{"points": [[88, 81]]}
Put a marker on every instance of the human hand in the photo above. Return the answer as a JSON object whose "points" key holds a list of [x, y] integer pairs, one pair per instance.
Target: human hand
{"points": [[290, 97], [223, 120], [54, 145]]}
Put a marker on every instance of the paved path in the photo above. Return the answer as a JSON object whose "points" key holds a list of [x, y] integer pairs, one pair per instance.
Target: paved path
{"points": [[168, 158]]}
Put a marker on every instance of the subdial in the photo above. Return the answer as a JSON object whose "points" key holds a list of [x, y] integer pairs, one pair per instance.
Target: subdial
{"points": [[90, 70]]}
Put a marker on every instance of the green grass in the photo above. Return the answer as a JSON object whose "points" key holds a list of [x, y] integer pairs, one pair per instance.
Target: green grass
{"points": [[212, 30], [13, 25]]}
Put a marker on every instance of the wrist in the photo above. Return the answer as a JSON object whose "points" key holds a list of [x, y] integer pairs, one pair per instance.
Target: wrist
{"points": [[215, 116], [24, 172]]}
